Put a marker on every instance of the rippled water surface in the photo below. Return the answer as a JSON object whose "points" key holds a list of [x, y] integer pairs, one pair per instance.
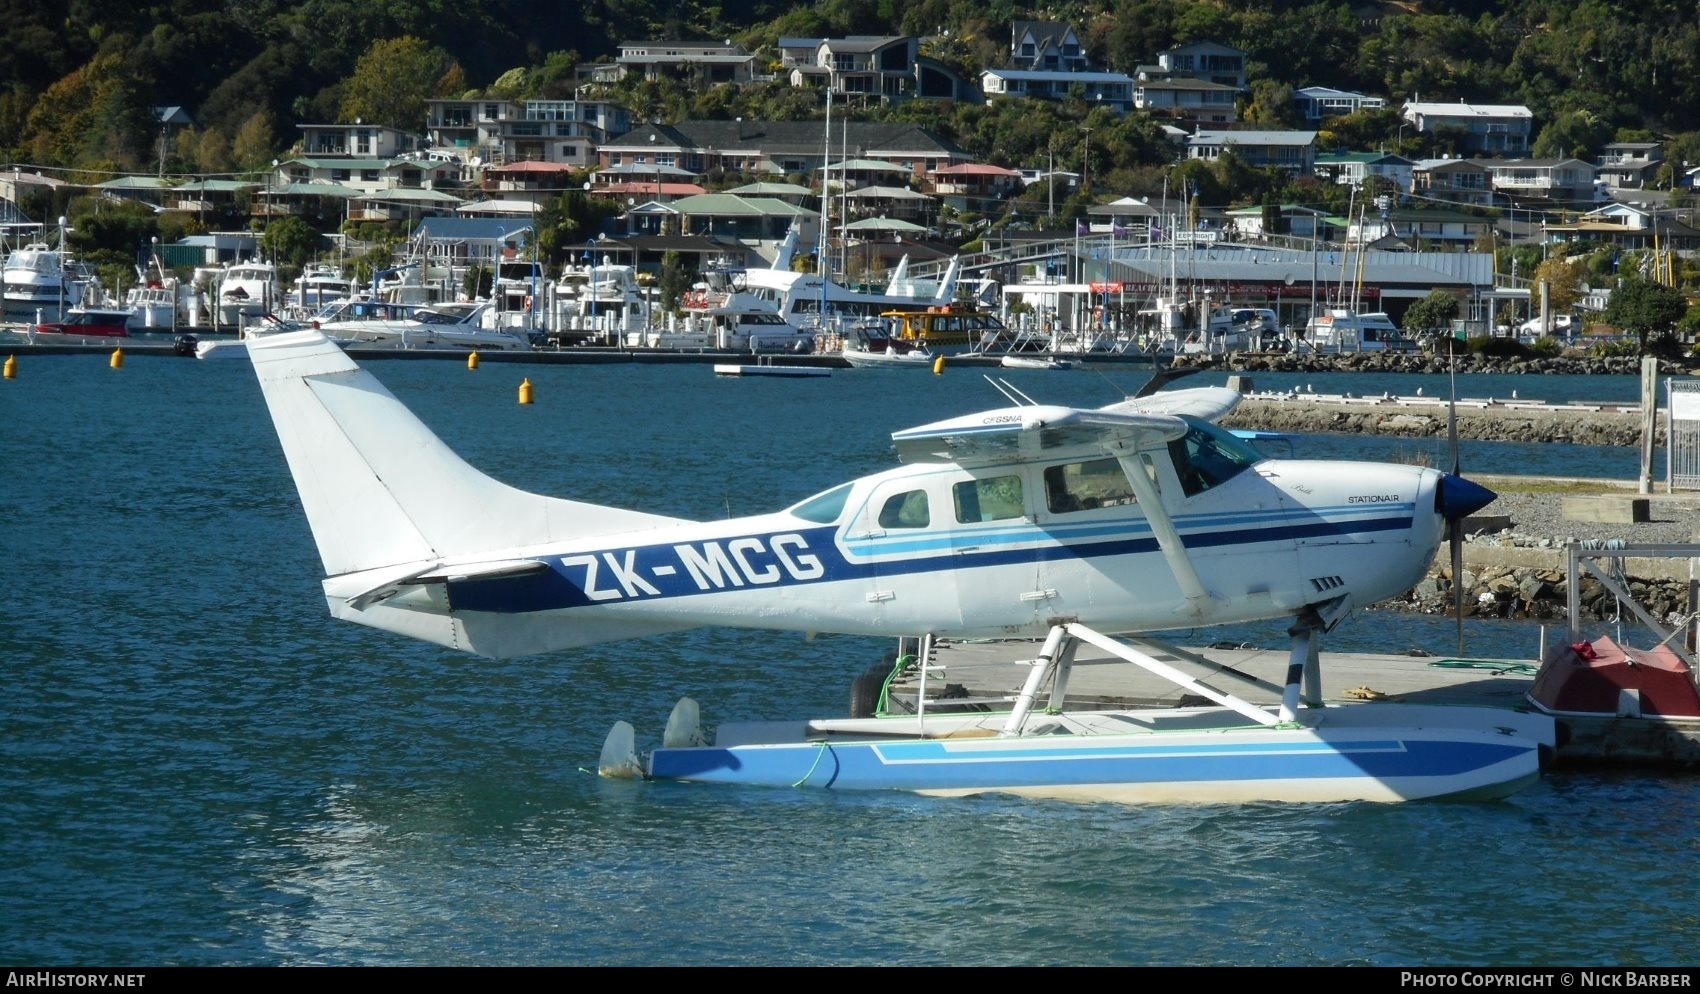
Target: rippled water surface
{"points": [[201, 767]]}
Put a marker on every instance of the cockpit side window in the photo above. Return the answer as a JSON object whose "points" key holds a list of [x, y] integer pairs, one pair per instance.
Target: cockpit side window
{"points": [[1208, 456], [906, 510], [1085, 486], [990, 499]]}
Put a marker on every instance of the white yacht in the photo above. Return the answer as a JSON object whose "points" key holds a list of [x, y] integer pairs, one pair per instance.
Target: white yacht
{"points": [[317, 286], [245, 290], [160, 301], [43, 280], [723, 315], [801, 297], [598, 303], [377, 324]]}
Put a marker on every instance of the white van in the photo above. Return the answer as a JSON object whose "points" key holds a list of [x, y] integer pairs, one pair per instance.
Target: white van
{"points": [[1342, 330]]}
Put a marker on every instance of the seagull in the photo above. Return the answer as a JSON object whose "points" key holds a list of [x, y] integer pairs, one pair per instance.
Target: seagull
{"points": [[1513, 395], [1419, 391]]}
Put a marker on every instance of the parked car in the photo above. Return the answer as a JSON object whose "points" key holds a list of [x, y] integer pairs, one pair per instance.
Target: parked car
{"points": [[1563, 325]]}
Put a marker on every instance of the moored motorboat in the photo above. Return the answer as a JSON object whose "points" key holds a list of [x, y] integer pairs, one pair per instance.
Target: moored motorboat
{"points": [[721, 314], [1013, 361], [88, 322], [369, 324], [43, 284], [888, 358]]}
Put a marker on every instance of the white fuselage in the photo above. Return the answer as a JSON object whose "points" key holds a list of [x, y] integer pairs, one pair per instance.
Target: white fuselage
{"points": [[1266, 543]]}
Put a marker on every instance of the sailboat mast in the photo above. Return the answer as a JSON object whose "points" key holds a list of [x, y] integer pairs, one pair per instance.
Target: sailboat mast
{"points": [[822, 264], [844, 196]]}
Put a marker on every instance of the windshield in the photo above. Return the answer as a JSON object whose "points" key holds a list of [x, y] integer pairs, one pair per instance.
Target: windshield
{"points": [[1208, 456], [824, 508]]}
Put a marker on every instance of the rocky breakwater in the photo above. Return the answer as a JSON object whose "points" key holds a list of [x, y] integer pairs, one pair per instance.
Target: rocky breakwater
{"points": [[1519, 569], [1426, 362], [1484, 419]]}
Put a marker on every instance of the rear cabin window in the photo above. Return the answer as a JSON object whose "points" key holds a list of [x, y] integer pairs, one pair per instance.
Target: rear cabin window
{"points": [[1208, 456], [906, 510], [1086, 486], [992, 499]]}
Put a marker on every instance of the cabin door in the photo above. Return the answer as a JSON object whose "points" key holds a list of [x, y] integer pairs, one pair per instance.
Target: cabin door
{"points": [[996, 543], [901, 540]]}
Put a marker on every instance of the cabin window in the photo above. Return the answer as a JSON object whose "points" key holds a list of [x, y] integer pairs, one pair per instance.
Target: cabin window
{"points": [[1084, 486], [991, 499], [906, 510], [1208, 456]]}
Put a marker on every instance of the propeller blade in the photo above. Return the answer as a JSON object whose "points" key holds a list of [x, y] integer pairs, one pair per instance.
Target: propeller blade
{"points": [[1452, 414], [1457, 498], [1456, 540]]}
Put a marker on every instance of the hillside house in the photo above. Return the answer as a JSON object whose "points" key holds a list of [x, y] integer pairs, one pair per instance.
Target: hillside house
{"points": [[1486, 129]]}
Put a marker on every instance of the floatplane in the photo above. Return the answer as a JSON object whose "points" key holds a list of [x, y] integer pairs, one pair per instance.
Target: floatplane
{"points": [[1071, 525]]}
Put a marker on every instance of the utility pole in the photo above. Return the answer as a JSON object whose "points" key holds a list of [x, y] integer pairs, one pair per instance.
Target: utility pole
{"points": [[1051, 185], [1086, 162]]}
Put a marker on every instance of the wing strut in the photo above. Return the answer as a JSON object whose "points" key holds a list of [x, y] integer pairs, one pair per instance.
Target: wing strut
{"points": [[1168, 538]]}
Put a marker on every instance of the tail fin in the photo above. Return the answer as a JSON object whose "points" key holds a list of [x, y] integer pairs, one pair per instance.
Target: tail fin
{"points": [[899, 277], [786, 251], [380, 489], [947, 286]]}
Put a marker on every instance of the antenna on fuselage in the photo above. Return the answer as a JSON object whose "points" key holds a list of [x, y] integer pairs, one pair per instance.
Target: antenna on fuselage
{"points": [[1011, 394]]}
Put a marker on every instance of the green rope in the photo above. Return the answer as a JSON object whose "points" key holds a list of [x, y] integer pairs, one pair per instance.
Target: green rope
{"points": [[824, 745], [883, 708]]}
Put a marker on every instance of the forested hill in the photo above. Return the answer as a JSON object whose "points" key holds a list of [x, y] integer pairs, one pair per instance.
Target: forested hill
{"points": [[81, 77]]}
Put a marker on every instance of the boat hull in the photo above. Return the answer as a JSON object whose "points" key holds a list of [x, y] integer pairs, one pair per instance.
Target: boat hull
{"points": [[1350, 752]]}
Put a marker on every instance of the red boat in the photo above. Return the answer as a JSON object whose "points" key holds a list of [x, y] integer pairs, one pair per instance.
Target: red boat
{"points": [[89, 322]]}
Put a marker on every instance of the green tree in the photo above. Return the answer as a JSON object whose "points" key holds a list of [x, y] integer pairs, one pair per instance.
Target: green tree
{"points": [[1271, 105], [392, 81], [675, 279], [1563, 277], [252, 147], [211, 152], [1579, 134], [1433, 313], [290, 241], [1644, 308]]}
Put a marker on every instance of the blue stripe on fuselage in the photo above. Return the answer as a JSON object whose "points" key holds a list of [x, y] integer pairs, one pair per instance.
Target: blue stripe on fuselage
{"points": [[814, 555]]}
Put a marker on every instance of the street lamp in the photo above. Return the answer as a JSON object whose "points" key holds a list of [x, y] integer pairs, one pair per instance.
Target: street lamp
{"points": [[265, 292]]}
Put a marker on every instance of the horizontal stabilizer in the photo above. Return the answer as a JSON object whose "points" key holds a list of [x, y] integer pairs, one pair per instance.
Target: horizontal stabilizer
{"points": [[1208, 403]]}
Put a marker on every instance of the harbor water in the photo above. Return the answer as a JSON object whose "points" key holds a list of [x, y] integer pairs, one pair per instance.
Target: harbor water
{"points": [[201, 767]]}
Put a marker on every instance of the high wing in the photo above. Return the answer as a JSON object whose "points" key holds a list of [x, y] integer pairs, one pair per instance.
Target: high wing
{"points": [[1014, 434]]}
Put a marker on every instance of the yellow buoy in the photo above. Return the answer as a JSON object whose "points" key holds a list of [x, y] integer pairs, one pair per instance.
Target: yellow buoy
{"points": [[938, 365], [11, 367], [117, 358], [525, 391], [472, 361]]}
